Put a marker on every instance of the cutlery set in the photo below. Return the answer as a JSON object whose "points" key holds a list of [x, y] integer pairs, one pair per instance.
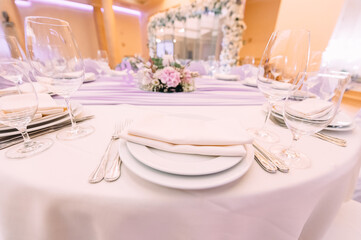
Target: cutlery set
{"points": [[269, 162], [11, 140], [103, 171]]}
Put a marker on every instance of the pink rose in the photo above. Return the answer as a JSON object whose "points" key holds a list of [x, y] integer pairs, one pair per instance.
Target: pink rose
{"points": [[169, 76]]}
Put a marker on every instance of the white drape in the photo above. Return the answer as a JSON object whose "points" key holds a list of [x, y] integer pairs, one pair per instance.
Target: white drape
{"points": [[344, 48]]}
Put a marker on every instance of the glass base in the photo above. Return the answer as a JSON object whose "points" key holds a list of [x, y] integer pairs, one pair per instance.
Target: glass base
{"points": [[293, 158], [72, 134], [264, 135], [30, 149]]}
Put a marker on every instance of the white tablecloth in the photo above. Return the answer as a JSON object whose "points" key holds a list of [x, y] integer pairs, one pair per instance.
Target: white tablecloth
{"points": [[48, 196]]}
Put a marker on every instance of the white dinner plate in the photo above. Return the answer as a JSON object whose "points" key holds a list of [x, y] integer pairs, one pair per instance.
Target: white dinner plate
{"points": [[182, 181], [341, 122], [251, 82], [89, 77], [227, 77], [332, 127], [178, 163], [36, 121]]}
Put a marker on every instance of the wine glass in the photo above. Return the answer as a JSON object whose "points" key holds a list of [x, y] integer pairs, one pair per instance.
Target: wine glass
{"points": [[310, 108], [248, 60], [54, 55], [285, 55], [103, 61], [18, 98], [213, 65]]}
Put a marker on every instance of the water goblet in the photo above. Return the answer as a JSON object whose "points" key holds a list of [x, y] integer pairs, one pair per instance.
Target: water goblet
{"points": [[54, 55], [285, 55], [18, 99], [103, 61], [310, 108]]}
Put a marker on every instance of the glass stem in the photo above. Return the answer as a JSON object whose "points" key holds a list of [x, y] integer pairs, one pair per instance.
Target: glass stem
{"points": [[295, 138], [270, 106], [70, 111], [24, 133]]}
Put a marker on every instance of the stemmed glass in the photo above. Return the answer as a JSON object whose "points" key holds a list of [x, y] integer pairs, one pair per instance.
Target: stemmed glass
{"points": [[103, 61], [18, 98], [310, 108], [54, 55], [285, 55]]}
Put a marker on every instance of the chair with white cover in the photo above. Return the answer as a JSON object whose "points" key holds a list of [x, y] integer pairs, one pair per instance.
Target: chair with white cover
{"points": [[347, 224]]}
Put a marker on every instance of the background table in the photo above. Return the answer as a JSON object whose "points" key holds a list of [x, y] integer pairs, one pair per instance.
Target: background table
{"points": [[209, 92], [48, 196]]}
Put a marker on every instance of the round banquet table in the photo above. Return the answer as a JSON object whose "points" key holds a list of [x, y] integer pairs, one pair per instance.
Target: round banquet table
{"points": [[48, 196]]}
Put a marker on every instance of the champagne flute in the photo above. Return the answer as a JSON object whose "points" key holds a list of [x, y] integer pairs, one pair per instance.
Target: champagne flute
{"points": [[285, 55], [18, 98], [310, 108], [54, 55]]}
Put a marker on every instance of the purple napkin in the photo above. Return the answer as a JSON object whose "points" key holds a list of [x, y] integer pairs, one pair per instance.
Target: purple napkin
{"points": [[196, 66]]}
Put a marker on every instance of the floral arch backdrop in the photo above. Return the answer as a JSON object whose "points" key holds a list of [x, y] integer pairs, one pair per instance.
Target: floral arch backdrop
{"points": [[232, 27]]}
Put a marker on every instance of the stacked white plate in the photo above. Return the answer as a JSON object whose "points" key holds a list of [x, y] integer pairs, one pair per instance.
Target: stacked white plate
{"points": [[42, 122], [183, 171], [341, 122]]}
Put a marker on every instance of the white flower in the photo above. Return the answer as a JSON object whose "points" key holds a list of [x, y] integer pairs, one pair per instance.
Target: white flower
{"points": [[155, 82], [167, 60]]}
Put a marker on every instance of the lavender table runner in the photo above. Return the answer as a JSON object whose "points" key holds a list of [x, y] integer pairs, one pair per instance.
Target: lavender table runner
{"points": [[123, 90]]}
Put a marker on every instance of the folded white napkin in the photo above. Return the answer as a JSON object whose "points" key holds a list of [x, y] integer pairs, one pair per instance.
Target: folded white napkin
{"points": [[46, 105], [229, 77], [89, 76], [192, 136], [117, 73], [310, 106]]}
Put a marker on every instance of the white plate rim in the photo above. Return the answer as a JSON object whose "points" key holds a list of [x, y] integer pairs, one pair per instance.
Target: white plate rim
{"points": [[37, 121], [186, 182], [61, 119], [244, 82], [146, 156], [328, 128]]}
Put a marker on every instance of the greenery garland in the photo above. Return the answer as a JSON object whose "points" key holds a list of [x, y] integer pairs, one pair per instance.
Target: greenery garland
{"points": [[232, 28]]}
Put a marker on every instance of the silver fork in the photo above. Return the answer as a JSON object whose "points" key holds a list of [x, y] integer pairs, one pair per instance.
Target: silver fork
{"points": [[113, 173], [99, 173]]}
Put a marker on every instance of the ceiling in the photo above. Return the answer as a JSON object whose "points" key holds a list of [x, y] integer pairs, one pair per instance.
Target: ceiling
{"points": [[142, 5]]}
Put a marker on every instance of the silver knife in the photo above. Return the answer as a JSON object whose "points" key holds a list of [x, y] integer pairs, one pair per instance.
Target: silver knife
{"points": [[267, 165], [281, 166], [8, 142]]}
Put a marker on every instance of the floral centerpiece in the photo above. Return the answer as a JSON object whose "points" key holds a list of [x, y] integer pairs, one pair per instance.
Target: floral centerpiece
{"points": [[166, 75], [130, 63]]}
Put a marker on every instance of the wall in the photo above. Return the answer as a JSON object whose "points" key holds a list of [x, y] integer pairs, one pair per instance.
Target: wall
{"points": [[260, 18], [130, 38], [83, 26], [81, 23], [264, 16], [14, 16], [318, 16]]}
